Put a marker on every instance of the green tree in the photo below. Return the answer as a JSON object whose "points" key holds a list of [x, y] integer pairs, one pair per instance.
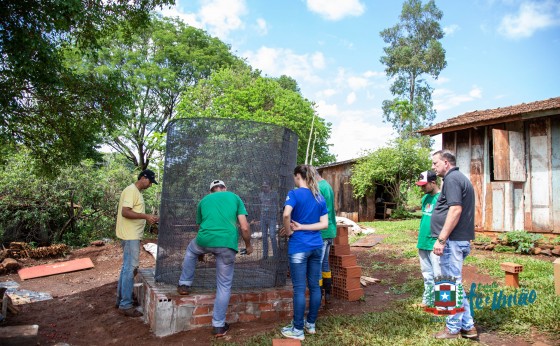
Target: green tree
{"points": [[158, 63], [414, 50], [46, 104], [245, 94], [395, 167]]}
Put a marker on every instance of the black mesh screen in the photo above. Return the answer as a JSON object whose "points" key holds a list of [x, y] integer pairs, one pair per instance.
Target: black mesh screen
{"points": [[245, 155]]}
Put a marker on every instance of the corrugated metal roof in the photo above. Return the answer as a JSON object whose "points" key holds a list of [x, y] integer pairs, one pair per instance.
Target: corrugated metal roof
{"points": [[475, 118], [338, 163]]}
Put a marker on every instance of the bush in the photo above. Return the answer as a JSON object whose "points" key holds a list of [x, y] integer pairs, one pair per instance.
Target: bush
{"points": [[36, 209], [523, 241]]}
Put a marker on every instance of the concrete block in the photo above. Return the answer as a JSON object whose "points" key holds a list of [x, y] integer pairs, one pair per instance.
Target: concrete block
{"points": [[19, 335]]}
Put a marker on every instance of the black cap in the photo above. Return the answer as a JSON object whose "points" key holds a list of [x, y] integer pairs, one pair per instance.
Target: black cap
{"points": [[148, 174]]}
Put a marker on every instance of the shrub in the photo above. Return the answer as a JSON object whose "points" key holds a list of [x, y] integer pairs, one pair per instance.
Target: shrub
{"points": [[523, 241]]}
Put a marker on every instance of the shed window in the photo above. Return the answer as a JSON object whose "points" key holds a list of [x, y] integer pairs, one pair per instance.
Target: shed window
{"points": [[507, 156]]}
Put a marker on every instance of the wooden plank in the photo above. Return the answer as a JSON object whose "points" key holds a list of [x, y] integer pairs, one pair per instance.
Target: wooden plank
{"points": [[55, 268], [540, 177], [477, 175], [517, 156], [488, 208], [518, 207], [463, 154], [508, 206], [555, 171], [498, 206], [448, 141], [527, 187], [500, 147]]}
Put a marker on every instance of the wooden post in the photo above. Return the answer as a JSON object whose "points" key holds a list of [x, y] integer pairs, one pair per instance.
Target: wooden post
{"points": [[557, 276], [512, 273]]}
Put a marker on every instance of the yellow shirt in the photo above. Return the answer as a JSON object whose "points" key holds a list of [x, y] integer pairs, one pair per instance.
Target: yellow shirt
{"points": [[131, 229]]}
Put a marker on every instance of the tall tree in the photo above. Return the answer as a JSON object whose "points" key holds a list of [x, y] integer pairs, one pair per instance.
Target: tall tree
{"points": [[414, 50], [158, 63], [245, 94], [48, 105]]}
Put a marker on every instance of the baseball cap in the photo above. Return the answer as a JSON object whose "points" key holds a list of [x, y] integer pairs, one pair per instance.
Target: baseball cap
{"points": [[148, 174], [216, 183], [426, 177]]}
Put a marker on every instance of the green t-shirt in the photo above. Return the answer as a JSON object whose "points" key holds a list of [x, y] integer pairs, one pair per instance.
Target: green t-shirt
{"points": [[425, 241], [327, 192], [217, 216]]}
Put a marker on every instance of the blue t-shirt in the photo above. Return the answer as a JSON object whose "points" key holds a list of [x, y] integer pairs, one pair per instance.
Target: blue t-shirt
{"points": [[306, 210]]}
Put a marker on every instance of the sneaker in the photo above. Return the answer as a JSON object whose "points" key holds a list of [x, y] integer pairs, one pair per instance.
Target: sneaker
{"points": [[293, 333], [183, 290], [131, 312], [309, 327], [471, 333], [446, 334], [220, 331]]}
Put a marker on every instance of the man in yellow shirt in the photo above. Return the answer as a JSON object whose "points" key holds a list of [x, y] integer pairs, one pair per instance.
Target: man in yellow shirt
{"points": [[131, 220]]}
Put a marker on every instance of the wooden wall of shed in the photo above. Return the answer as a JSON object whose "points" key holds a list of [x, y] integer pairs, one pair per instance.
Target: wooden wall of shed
{"points": [[515, 171], [344, 201]]}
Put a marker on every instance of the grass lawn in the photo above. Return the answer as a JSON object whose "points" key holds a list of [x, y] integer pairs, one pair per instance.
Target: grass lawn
{"points": [[403, 324]]}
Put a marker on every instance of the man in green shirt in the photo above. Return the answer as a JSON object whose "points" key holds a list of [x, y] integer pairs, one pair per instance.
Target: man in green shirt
{"points": [[429, 262], [217, 214], [328, 235]]}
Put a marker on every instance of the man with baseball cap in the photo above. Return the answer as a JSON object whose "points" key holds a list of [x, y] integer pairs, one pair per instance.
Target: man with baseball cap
{"points": [[217, 214], [429, 262], [131, 220]]}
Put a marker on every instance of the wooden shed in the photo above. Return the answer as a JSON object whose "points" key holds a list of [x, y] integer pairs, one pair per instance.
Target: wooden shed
{"points": [[359, 210], [512, 157]]}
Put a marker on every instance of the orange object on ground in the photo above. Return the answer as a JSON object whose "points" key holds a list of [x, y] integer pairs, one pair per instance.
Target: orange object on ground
{"points": [[55, 268]]}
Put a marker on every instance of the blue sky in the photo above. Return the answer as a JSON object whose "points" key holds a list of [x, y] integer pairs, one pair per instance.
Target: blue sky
{"points": [[499, 53]]}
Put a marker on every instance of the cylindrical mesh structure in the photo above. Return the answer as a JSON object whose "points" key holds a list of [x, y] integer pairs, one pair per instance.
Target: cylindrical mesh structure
{"points": [[251, 158]]}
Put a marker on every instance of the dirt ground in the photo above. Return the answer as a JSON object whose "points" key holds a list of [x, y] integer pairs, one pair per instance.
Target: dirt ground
{"points": [[82, 310]]}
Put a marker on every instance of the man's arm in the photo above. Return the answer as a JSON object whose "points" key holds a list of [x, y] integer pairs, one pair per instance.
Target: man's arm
{"points": [[453, 215], [128, 213], [245, 232]]}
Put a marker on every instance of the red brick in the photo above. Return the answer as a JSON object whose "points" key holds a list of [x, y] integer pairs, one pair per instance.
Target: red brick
{"points": [[269, 315], [251, 297], [201, 310], [247, 317], [340, 250], [205, 299], [266, 306], [343, 261], [201, 320], [346, 283], [340, 241], [350, 295], [285, 314], [286, 342], [286, 294], [349, 272], [232, 317], [510, 267], [342, 231]]}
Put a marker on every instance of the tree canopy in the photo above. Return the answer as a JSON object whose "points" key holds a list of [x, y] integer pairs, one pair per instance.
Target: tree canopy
{"points": [[50, 106], [245, 94], [157, 64], [414, 50], [395, 167]]}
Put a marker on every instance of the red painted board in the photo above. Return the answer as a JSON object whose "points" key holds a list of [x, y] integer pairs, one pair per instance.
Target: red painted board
{"points": [[55, 268]]}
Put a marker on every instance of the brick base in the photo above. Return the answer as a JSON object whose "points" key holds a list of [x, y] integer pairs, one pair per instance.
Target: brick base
{"points": [[167, 312]]}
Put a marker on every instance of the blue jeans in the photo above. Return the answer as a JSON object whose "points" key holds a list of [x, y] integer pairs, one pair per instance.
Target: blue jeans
{"points": [[429, 264], [125, 286], [268, 227], [327, 243], [305, 267], [451, 263], [225, 259]]}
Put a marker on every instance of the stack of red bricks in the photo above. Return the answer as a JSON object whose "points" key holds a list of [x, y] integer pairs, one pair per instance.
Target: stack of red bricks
{"points": [[344, 268]]}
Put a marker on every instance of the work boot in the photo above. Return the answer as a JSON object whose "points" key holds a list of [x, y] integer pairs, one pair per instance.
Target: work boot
{"points": [[183, 290], [446, 334], [131, 312], [471, 333], [220, 331]]}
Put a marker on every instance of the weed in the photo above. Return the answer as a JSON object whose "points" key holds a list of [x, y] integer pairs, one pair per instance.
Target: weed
{"points": [[522, 240]]}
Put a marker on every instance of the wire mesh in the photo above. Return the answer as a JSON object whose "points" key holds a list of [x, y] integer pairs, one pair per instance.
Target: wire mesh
{"points": [[255, 161]]}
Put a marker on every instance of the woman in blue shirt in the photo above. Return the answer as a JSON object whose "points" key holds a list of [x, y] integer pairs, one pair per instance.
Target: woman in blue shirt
{"points": [[305, 215]]}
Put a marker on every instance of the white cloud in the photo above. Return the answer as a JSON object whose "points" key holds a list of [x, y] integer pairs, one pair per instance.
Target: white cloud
{"points": [[532, 16], [262, 27], [450, 29], [325, 93], [279, 61], [351, 98], [440, 80], [356, 83], [326, 110], [446, 99], [336, 10], [218, 17], [355, 133], [370, 74]]}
